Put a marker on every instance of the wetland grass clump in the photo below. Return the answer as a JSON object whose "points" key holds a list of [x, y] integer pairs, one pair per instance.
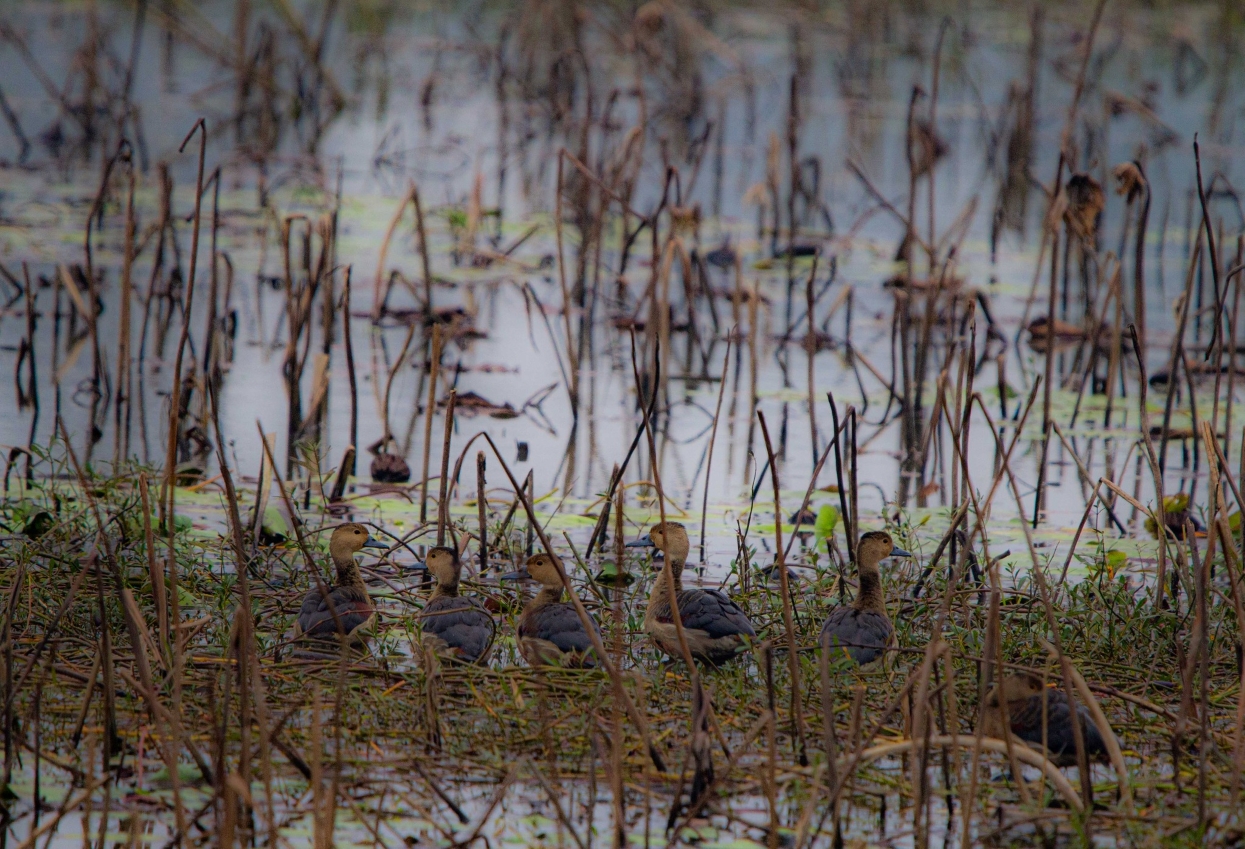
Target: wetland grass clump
{"points": [[242, 697]]}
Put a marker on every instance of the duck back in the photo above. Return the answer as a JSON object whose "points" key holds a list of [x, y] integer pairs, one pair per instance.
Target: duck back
{"points": [[555, 635], [1025, 717], [462, 625], [353, 606], [862, 634], [716, 628]]}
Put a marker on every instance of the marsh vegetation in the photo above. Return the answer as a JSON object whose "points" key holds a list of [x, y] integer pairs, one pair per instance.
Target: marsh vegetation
{"points": [[524, 282]]}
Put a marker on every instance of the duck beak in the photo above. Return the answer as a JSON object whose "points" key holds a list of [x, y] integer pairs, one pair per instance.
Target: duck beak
{"points": [[899, 552], [645, 541], [375, 543], [521, 575]]}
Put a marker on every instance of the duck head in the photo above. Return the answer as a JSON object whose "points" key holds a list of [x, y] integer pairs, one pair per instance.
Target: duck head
{"points": [[1015, 687], [443, 564], [351, 538], [670, 537], [875, 546], [539, 567]]}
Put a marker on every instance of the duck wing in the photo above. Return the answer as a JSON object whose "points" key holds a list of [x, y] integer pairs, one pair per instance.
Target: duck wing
{"points": [[353, 607], [559, 624], [711, 611], [863, 634], [462, 624], [1025, 716]]}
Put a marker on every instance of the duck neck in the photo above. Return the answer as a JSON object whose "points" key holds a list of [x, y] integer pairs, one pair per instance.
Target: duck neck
{"points": [[348, 574], [446, 589], [870, 595], [548, 595], [660, 585]]}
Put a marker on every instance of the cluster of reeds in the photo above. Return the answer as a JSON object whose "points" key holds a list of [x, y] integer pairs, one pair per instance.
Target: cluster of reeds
{"points": [[117, 646]]}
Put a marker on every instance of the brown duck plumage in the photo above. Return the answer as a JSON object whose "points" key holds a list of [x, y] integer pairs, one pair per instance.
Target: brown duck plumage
{"points": [[347, 596]]}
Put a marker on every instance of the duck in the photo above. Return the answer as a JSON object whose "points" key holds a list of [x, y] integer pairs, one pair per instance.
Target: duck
{"points": [[716, 628], [347, 596], [862, 630], [458, 626], [1024, 694], [550, 631]]}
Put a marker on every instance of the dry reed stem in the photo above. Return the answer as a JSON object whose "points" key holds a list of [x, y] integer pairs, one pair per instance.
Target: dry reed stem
{"points": [[443, 507], [377, 299], [434, 372], [636, 717]]}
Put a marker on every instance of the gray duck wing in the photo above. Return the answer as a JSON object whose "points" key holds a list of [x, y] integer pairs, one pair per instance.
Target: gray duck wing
{"points": [[352, 605], [462, 624], [1025, 717], [714, 613], [863, 634], [560, 624]]}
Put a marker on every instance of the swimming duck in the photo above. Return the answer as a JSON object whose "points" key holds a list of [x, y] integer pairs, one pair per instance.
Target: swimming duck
{"points": [[550, 630], [863, 630], [716, 628], [460, 626], [1024, 695], [348, 595]]}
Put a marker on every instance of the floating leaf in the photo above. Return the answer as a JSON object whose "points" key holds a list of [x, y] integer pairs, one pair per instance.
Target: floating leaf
{"points": [[827, 521], [274, 529], [611, 574], [1114, 561], [1176, 503]]}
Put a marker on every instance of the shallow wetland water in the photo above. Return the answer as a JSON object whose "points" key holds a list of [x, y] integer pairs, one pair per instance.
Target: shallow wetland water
{"points": [[785, 275]]}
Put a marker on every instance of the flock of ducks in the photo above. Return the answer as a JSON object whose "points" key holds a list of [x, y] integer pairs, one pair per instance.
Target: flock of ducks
{"points": [[716, 630]]}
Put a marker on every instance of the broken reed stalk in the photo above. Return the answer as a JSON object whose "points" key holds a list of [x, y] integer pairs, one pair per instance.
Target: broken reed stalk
{"points": [[849, 520], [393, 373], [615, 675], [1177, 360], [350, 372], [1215, 339], [571, 355], [788, 619], [482, 511], [443, 507], [377, 300], [1139, 256], [168, 501], [1147, 441], [713, 435], [425, 256], [598, 532], [122, 393], [810, 344], [434, 369], [155, 574]]}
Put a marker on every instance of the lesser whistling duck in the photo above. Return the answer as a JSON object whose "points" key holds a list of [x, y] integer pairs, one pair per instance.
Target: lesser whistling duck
{"points": [[459, 626], [862, 630], [716, 628], [347, 596], [1024, 694], [550, 630]]}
